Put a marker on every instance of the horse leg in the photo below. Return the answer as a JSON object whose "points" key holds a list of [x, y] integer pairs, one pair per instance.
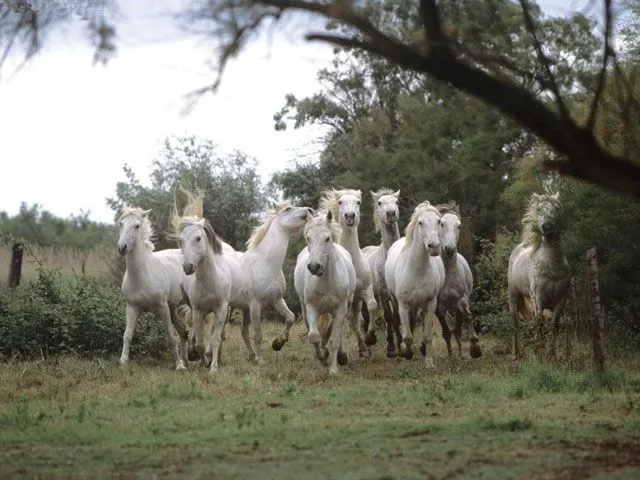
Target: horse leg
{"points": [[313, 334], [557, 314], [198, 330], [392, 352], [132, 314], [427, 315], [407, 334], [281, 307], [356, 324], [216, 335], [165, 314], [475, 351], [365, 317], [396, 321], [369, 301], [255, 310], [335, 339], [246, 321], [441, 313], [515, 302], [181, 328]]}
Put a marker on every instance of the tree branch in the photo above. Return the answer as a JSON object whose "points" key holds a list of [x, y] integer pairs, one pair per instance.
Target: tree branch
{"points": [[608, 28], [436, 39], [542, 58]]}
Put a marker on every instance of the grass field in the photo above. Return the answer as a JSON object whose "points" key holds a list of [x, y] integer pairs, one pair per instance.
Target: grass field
{"points": [[381, 419]]}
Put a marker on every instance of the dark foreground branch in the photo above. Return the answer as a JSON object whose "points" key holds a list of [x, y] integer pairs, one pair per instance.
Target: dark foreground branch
{"points": [[584, 157]]}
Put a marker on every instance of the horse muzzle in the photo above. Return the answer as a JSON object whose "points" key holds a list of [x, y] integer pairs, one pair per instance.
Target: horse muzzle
{"points": [[188, 268], [450, 251], [122, 249], [315, 268]]}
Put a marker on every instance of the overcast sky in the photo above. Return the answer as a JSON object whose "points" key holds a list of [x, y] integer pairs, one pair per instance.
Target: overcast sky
{"points": [[67, 127]]}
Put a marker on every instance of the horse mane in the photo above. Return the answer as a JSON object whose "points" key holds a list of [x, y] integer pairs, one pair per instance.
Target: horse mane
{"points": [[145, 224], [450, 207], [261, 230], [377, 225], [419, 210], [212, 237], [330, 198], [531, 236], [193, 208], [319, 219]]}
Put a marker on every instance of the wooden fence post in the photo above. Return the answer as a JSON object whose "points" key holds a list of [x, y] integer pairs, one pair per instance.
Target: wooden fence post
{"points": [[16, 265], [595, 310]]}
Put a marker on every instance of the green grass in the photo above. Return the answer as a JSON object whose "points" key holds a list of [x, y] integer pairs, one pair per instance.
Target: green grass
{"points": [[485, 418]]}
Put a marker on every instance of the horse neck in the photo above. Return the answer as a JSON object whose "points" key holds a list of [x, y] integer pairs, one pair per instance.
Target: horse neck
{"points": [[204, 268], [550, 251], [390, 233], [349, 239], [273, 246], [418, 256], [137, 261]]}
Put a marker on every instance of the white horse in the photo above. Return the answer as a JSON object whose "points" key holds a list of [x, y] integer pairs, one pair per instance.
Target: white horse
{"points": [[345, 206], [538, 270], [262, 281], [458, 284], [151, 283], [211, 274], [414, 273], [325, 281], [385, 220]]}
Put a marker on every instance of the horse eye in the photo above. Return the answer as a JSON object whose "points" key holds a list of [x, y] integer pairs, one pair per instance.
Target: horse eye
{"points": [[137, 226], [339, 202], [419, 222], [358, 202], [379, 202], [327, 239], [198, 239], [287, 209], [180, 243]]}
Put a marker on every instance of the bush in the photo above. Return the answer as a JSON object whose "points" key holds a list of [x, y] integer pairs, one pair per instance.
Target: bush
{"points": [[58, 314]]}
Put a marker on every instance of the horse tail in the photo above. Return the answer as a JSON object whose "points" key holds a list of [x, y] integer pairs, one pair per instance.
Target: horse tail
{"points": [[324, 324], [527, 309], [184, 313]]}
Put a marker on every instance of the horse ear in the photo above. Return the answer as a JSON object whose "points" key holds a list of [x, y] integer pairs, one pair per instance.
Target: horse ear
{"points": [[145, 213], [374, 195], [359, 193], [556, 195], [397, 194], [329, 216]]}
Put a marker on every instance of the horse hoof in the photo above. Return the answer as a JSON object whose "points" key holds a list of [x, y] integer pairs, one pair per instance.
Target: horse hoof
{"points": [[259, 361], [343, 358], [180, 367], [429, 365], [475, 351], [370, 338], [314, 337], [333, 371], [408, 354], [192, 354], [423, 349], [277, 344], [392, 353]]}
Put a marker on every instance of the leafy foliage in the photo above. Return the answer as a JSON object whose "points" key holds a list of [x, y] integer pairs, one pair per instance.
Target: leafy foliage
{"points": [[233, 191], [58, 314]]}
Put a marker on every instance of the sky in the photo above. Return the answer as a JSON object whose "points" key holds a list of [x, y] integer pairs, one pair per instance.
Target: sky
{"points": [[68, 127]]}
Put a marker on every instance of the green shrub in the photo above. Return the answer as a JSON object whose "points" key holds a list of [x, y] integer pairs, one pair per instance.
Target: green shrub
{"points": [[57, 314]]}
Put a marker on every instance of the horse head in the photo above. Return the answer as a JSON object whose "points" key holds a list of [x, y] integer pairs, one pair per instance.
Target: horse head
{"points": [[134, 227], [385, 206]]}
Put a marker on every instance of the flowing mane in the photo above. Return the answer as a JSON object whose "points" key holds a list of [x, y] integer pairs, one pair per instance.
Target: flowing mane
{"points": [[145, 224], [451, 207], [261, 230], [321, 219], [193, 208], [377, 224], [531, 235], [330, 199], [419, 210]]}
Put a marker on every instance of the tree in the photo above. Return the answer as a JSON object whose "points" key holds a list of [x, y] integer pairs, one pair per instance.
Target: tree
{"points": [[233, 190], [470, 61]]}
